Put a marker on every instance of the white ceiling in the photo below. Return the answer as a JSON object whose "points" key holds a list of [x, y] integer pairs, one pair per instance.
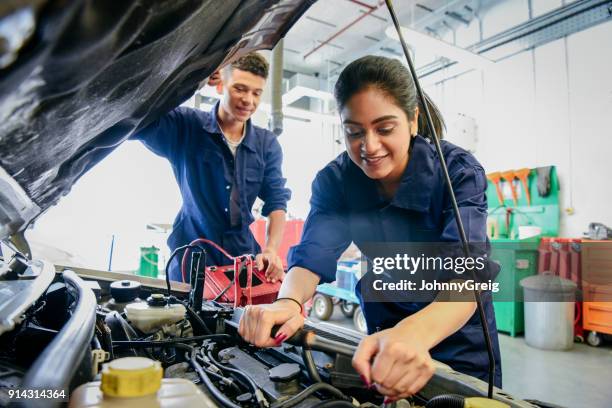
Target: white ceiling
{"points": [[334, 32]]}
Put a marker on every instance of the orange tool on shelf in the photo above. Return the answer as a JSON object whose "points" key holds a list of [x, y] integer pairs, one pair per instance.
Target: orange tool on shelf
{"points": [[523, 175], [509, 177], [495, 178]]}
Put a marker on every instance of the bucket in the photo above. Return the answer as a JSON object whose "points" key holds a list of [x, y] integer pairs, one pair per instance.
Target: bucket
{"points": [[549, 311], [149, 257]]}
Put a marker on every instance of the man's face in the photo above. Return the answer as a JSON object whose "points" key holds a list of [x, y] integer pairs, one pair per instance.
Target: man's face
{"points": [[241, 92]]}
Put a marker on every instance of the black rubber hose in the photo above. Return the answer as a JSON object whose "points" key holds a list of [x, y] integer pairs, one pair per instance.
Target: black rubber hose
{"points": [[256, 390], [174, 253], [57, 364], [310, 365], [197, 318], [219, 377], [446, 401], [293, 401], [214, 391], [169, 342], [234, 384], [334, 404]]}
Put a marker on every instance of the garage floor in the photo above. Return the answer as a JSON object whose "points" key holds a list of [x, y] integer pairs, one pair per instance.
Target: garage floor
{"points": [[580, 378]]}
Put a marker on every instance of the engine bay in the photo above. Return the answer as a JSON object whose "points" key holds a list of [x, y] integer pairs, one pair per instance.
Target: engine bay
{"points": [[60, 328]]}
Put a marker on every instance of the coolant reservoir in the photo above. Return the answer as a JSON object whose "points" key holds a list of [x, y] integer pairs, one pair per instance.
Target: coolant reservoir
{"points": [[137, 382], [154, 314]]}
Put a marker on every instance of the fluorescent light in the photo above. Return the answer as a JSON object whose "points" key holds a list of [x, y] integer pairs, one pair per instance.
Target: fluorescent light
{"points": [[442, 48], [300, 91]]}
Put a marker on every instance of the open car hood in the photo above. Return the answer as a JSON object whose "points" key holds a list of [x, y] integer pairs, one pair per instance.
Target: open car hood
{"points": [[78, 77]]}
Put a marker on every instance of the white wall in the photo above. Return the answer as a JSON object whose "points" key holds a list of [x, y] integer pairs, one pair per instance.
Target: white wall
{"points": [[534, 110], [132, 188], [120, 196]]}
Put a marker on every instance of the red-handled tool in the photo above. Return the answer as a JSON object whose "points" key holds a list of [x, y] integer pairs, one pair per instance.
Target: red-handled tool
{"points": [[243, 264], [523, 175], [509, 177], [495, 178]]}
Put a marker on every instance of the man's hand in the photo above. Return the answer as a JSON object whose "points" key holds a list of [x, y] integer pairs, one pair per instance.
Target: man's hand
{"points": [[214, 79], [272, 264], [396, 361]]}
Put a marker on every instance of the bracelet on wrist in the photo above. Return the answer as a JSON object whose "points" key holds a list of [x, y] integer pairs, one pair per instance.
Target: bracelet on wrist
{"points": [[293, 300]]}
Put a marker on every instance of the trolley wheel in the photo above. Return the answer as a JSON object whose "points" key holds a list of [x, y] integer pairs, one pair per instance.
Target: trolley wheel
{"points": [[359, 321], [322, 306], [594, 339], [347, 308]]}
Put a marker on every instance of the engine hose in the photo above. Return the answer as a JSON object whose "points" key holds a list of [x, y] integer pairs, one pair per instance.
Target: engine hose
{"points": [[310, 365], [261, 399], [228, 381], [204, 363], [169, 342], [446, 401], [197, 318], [334, 404], [293, 401], [214, 391]]}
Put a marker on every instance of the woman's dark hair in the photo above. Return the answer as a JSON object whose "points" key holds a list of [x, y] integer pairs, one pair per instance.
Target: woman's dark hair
{"points": [[392, 78]]}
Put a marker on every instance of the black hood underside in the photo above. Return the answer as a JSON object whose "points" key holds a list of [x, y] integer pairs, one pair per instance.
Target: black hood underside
{"points": [[78, 77]]}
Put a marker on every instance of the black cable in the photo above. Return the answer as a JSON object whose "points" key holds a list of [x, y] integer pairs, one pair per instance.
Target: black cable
{"points": [[310, 365], [256, 390], [197, 318], [169, 342], [333, 404], [297, 398], [227, 379], [223, 292], [212, 389], [451, 192], [219, 377], [174, 253]]}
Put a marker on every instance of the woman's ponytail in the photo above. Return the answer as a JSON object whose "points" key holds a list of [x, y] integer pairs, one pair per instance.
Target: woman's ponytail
{"points": [[436, 117]]}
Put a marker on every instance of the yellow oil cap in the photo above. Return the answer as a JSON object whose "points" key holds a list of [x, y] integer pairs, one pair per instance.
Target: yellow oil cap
{"points": [[131, 377]]}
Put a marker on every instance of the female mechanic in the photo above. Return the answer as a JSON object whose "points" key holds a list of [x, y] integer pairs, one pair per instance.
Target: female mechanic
{"points": [[388, 187]]}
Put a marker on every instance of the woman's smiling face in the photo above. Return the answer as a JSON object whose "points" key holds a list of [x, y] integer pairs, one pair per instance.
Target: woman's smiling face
{"points": [[377, 134]]}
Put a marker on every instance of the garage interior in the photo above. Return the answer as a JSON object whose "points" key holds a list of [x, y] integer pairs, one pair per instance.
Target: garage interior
{"points": [[522, 84]]}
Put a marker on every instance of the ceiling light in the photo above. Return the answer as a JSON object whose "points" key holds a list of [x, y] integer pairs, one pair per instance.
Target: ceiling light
{"points": [[419, 40]]}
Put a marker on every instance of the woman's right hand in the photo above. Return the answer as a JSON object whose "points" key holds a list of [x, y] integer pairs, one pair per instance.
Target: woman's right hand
{"points": [[257, 321]]}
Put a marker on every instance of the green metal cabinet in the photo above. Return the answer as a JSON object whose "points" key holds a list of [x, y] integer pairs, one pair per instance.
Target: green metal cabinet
{"points": [[518, 260]]}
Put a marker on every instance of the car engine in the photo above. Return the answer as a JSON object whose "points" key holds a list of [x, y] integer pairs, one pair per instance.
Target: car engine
{"points": [[60, 328]]}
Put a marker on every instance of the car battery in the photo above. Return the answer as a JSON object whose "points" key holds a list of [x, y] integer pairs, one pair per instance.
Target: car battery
{"points": [[247, 287]]}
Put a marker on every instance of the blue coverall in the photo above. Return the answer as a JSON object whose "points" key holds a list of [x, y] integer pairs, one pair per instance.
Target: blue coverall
{"points": [[346, 207], [207, 172]]}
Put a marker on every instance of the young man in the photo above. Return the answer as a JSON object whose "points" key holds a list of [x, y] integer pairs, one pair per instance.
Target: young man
{"points": [[222, 163]]}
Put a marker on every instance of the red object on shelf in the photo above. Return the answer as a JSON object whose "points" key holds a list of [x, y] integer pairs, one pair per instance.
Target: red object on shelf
{"points": [[561, 256], [291, 237]]}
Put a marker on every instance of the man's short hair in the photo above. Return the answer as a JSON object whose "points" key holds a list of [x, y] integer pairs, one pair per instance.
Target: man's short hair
{"points": [[252, 62]]}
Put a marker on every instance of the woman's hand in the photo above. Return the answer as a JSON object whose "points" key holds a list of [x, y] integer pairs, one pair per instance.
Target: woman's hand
{"points": [[257, 321], [396, 361]]}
